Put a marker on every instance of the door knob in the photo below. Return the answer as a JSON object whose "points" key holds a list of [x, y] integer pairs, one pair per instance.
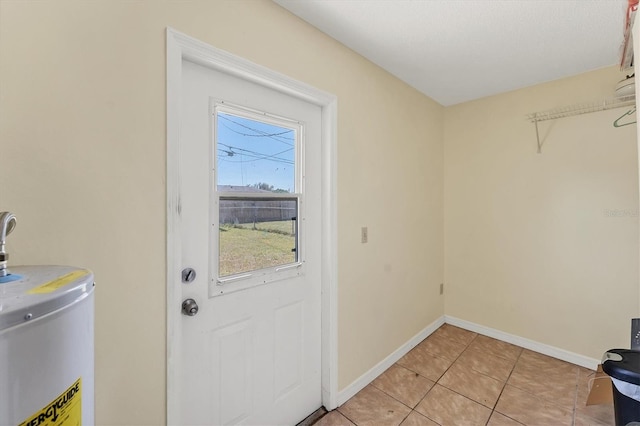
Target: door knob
{"points": [[189, 307]]}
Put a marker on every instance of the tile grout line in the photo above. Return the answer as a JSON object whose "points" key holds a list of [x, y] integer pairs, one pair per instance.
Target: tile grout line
{"points": [[471, 368], [396, 399], [457, 357], [505, 386], [393, 397], [498, 356], [445, 372], [575, 398], [546, 400], [345, 416]]}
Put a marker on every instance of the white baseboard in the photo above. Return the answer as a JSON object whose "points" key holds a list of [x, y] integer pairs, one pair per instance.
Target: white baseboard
{"points": [[542, 348], [360, 383]]}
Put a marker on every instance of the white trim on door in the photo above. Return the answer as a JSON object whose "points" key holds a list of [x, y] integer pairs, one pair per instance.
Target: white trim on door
{"points": [[179, 47]]}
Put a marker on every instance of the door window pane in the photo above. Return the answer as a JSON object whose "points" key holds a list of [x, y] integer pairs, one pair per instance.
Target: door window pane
{"points": [[254, 156], [256, 234]]}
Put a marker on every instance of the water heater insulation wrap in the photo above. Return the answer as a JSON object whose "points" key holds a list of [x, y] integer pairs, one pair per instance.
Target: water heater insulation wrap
{"points": [[47, 347]]}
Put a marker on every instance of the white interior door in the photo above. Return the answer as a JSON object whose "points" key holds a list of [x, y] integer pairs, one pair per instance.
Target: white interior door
{"points": [[252, 353]]}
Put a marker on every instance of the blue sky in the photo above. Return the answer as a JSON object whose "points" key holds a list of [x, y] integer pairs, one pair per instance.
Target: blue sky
{"points": [[250, 152]]}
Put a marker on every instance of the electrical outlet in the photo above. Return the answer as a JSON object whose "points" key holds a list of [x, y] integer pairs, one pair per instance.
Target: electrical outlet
{"points": [[441, 288], [364, 235], [635, 333]]}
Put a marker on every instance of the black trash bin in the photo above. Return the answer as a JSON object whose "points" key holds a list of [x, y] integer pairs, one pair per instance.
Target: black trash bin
{"points": [[624, 365]]}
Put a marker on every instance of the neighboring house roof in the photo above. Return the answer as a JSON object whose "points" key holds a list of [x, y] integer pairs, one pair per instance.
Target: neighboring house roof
{"points": [[234, 188]]}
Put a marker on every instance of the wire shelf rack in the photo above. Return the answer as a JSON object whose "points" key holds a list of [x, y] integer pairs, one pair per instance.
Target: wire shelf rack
{"points": [[578, 109], [569, 111]]}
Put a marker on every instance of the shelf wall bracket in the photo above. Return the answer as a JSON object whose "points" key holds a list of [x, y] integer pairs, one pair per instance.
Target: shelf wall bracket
{"points": [[538, 138]]}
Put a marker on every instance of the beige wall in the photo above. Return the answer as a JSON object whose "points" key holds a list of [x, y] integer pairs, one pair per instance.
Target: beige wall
{"points": [[82, 154], [543, 246]]}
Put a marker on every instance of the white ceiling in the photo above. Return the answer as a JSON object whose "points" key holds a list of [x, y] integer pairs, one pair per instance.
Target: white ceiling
{"points": [[459, 50]]}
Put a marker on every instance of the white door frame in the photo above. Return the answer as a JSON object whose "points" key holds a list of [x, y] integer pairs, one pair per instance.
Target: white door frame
{"points": [[179, 47]]}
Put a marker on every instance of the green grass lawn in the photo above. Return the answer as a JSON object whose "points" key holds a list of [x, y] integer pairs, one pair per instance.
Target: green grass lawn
{"points": [[244, 249]]}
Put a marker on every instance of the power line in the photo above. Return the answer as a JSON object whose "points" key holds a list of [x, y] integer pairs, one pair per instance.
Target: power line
{"points": [[266, 135], [257, 154], [253, 159], [253, 154], [260, 133]]}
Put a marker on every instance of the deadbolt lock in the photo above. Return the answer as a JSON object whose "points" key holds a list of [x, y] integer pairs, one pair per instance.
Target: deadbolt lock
{"points": [[188, 275], [189, 307]]}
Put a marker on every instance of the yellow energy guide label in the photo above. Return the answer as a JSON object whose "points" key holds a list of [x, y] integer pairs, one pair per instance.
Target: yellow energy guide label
{"points": [[58, 282], [65, 410]]}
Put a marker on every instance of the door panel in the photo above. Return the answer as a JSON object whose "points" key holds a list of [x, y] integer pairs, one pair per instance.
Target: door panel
{"points": [[289, 349], [231, 370], [253, 355]]}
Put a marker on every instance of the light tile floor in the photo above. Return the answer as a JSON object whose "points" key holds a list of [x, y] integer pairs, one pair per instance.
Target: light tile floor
{"points": [[456, 377]]}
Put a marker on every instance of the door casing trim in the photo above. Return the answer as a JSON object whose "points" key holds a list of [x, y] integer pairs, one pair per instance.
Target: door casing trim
{"points": [[180, 47]]}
